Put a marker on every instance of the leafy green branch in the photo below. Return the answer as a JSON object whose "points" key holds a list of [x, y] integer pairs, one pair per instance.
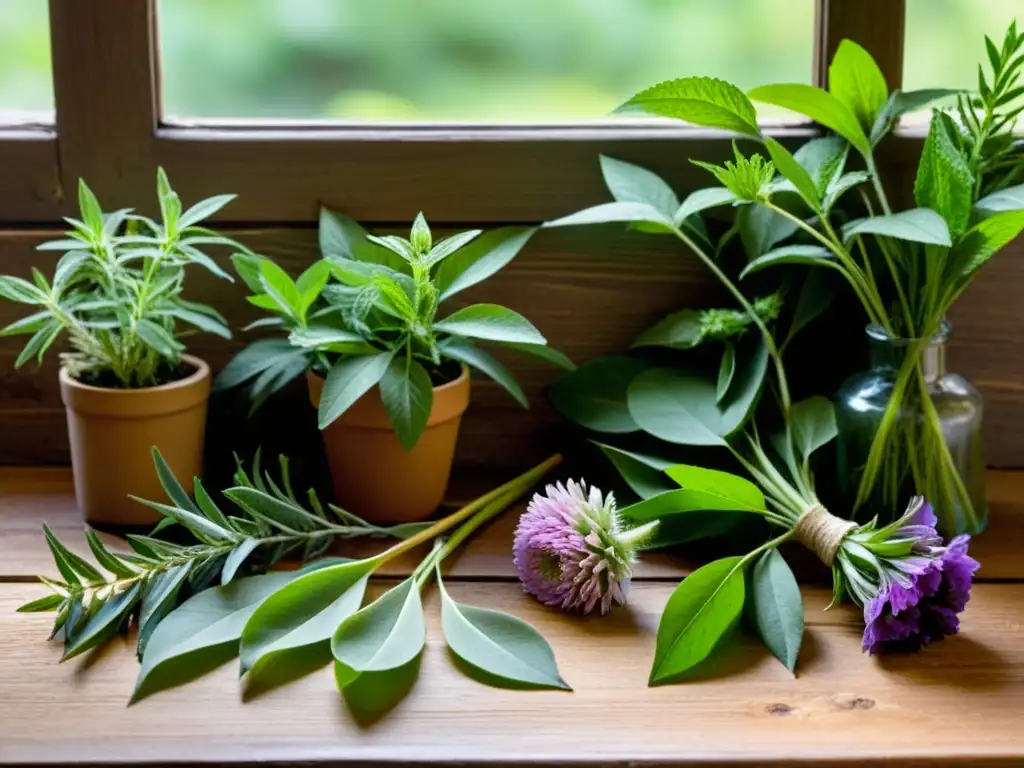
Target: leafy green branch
{"points": [[267, 523]]}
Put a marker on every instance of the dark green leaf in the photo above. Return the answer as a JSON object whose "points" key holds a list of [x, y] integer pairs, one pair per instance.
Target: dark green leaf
{"points": [[466, 352], [490, 322], [284, 515], [761, 228], [387, 634], [920, 225], [157, 338], [174, 490], [408, 396], [342, 238], [159, 599], [542, 352], [698, 100], [700, 611], [816, 295], [347, 381], [814, 424], [701, 200], [644, 474], [106, 558], [101, 624], [777, 607], [808, 255], [72, 567], [681, 330], [726, 371], [594, 395], [43, 604], [480, 259]]}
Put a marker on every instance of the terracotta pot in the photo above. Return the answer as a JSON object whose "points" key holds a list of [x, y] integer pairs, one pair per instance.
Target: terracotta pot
{"points": [[113, 431], [373, 475]]}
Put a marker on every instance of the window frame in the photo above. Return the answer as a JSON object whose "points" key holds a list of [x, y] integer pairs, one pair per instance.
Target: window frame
{"points": [[108, 131]]}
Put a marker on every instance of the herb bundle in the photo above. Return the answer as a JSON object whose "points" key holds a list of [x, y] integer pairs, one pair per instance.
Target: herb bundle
{"points": [[366, 316], [116, 291]]}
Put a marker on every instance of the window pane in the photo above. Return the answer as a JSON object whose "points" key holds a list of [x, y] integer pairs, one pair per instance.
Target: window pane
{"points": [[26, 76], [946, 39], [496, 61]]}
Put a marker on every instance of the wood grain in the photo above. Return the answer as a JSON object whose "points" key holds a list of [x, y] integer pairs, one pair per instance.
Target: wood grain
{"points": [[957, 702], [590, 291], [31, 496], [879, 26]]}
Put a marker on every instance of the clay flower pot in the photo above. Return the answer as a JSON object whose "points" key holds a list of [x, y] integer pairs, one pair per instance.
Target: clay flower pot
{"points": [[113, 432], [373, 475]]}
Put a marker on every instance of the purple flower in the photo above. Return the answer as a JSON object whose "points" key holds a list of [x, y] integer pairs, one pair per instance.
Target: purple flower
{"points": [[923, 593], [571, 550]]}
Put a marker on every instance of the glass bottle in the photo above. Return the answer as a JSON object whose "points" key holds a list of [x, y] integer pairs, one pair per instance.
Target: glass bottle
{"points": [[932, 450]]}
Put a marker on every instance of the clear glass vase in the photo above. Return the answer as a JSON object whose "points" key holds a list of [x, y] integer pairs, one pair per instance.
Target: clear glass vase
{"points": [[909, 427]]}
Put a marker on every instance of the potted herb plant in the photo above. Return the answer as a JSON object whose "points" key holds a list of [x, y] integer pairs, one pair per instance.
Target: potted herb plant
{"points": [[126, 382], [388, 376]]}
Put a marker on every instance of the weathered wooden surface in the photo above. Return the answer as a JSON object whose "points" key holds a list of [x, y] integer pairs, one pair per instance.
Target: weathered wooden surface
{"points": [[589, 291], [958, 702]]}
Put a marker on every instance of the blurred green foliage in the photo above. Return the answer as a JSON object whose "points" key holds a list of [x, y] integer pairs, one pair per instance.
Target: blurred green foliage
{"points": [[478, 60]]}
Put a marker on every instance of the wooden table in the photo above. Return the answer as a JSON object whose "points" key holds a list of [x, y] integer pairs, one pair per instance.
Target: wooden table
{"points": [[961, 701]]}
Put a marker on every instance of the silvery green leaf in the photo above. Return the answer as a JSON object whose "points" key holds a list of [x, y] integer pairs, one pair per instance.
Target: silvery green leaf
{"points": [[814, 424], [500, 648], [479, 260], [490, 322], [594, 395], [920, 225], [451, 245], [807, 255], [387, 634], [681, 330], [204, 209], [347, 381], [93, 629], [157, 338], [726, 371], [630, 183], [1011, 199], [31, 324], [702, 200], [777, 607]]}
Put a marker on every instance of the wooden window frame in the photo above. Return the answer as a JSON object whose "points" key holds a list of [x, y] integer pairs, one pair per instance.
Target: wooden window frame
{"points": [[108, 131]]}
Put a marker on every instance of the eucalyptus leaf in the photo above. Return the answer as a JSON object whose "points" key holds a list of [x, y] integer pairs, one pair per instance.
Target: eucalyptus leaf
{"points": [[464, 351], [700, 611], [387, 634], [498, 645], [777, 608], [1010, 199], [813, 423], [594, 395], [681, 330], [643, 473]]}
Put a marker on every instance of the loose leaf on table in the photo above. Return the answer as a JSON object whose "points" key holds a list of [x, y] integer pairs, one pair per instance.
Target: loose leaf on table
{"points": [[482, 258], [408, 396], [680, 330], [945, 183], [347, 381], [203, 632], [387, 634], [807, 255], [305, 612], [919, 225], [500, 649], [820, 106], [855, 79], [700, 611], [490, 322], [594, 395], [644, 474], [814, 424], [632, 184], [776, 607], [683, 408], [699, 100]]}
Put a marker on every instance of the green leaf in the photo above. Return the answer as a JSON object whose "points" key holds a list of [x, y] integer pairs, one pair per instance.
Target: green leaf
{"points": [[305, 612], [814, 424], [816, 296], [200, 320], [777, 608], [643, 473], [920, 225], [855, 79], [420, 236], [106, 558], [984, 240], [387, 634], [761, 228], [490, 322], [347, 381], [794, 172], [945, 183], [699, 100], [92, 214], [310, 283], [700, 611], [726, 371], [156, 337], [254, 360], [43, 604], [820, 106], [280, 287], [321, 336], [808, 255], [498, 645], [451, 245], [31, 324], [616, 212], [22, 291], [632, 184], [204, 209], [159, 599], [73, 568], [236, 559], [1011, 199], [169, 482], [725, 487], [408, 396], [824, 160], [682, 408], [678, 502], [287, 516], [464, 351], [205, 530], [203, 632], [842, 185], [481, 259], [247, 266], [542, 352], [681, 330], [342, 239], [594, 395], [36, 345], [702, 200], [103, 623]]}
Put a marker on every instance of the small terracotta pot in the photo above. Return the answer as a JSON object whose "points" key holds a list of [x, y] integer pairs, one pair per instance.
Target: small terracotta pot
{"points": [[113, 431], [373, 475]]}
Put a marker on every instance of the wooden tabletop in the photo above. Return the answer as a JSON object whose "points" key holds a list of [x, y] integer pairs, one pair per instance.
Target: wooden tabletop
{"points": [[958, 702]]}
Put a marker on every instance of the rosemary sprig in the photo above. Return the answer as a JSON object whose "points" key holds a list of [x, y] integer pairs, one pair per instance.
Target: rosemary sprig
{"points": [[143, 586]]}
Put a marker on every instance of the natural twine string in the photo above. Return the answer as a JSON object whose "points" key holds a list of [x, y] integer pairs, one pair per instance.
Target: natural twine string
{"points": [[822, 532]]}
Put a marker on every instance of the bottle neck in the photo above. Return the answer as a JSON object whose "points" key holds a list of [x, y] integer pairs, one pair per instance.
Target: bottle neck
{"points": [[889, 352]]}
